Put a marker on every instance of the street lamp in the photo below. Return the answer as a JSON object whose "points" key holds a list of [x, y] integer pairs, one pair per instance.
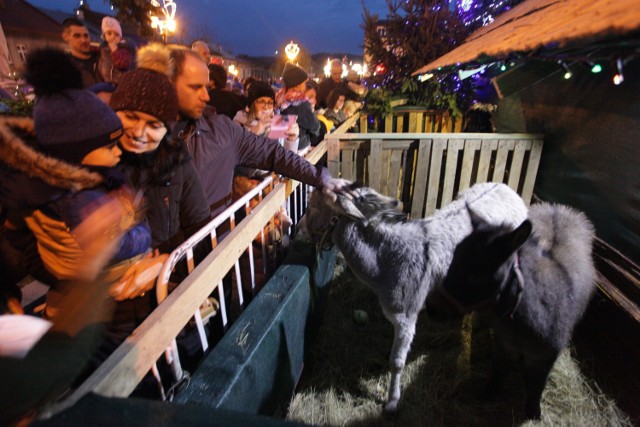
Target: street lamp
{"points": [[291, 50], [166, 24]]}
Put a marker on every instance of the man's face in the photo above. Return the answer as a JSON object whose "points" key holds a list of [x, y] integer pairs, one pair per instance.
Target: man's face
{"points": [[191, 87], [77, 38], [336, 73]]}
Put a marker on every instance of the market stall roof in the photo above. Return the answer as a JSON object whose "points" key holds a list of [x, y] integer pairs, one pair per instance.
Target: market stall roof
{"points": [[538, 24]]}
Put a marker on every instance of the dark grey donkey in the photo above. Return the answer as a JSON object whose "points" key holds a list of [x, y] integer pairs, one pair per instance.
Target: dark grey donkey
{"points": [[537, 279], [402, 260]]}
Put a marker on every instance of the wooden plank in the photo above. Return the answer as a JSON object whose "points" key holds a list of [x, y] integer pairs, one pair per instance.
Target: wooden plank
{"points": [[346, 165], [388, 124], [413, 121], [417, 136], [504, 146], [361, 165], [364, 123], [375, 164], [532, 170], [350, 145], [123, 370], [317, 152], [516, 163], [487, 147], [453, 151], [457, 128], [395, 169], [392, 144], [333, 157], [384, 172], [434, 175], [428, 122], [422, 173], [400, 123], [470, 148]]}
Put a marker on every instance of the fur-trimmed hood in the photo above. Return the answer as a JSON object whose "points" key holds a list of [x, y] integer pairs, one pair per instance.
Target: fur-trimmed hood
{"points": [[17, 154]]}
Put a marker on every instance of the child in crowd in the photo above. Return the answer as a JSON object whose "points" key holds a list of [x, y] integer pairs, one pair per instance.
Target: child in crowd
{"points": [[116, 56], [79, 134]]}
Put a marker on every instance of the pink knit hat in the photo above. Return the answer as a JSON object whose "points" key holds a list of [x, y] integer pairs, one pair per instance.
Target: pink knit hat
{"points": [[109, 23]]}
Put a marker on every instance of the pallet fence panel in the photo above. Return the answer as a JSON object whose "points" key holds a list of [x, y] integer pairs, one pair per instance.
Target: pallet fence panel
{"points": [[375, 164], [422, 174], [517, 162], [333, 156], [454, 147], [435, 168], [500, 167], [468, 158], [395, 170], [532, 170], [346, 166], [488, 146]]}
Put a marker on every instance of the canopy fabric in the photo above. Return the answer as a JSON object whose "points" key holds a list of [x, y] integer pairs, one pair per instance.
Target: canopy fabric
{"points": [[538, 24]]}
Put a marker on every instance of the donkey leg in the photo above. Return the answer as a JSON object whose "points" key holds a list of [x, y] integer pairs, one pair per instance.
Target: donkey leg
{"points": [[535, 379], [404, 330]]}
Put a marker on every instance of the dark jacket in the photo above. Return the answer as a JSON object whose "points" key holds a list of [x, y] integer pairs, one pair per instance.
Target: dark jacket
{"points": [[226, 102], [176, 206], [218, 145], [307, 121]]}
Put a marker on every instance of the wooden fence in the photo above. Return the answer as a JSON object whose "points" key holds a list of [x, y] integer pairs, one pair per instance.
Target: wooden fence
{"points": [[405, 119], [426, 171]]}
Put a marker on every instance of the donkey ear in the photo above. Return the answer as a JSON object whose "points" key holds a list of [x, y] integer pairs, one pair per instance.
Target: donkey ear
{"points": [[476, 220], [511, 242], [349, 209]]}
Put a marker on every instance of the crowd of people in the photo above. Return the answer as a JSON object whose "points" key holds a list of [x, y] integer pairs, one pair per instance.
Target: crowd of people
{"points": [[131, 151]]}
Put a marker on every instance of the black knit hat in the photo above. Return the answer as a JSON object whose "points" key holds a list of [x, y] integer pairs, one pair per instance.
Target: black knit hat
{"points": [[148, 88], [69, 122], [292, 75], [258, 90]]}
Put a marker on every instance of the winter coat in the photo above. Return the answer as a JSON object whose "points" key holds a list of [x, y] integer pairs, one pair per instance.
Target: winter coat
{"points": [[176, 206], [218, 145], [307, 121], [52, 215], [112, 65]]}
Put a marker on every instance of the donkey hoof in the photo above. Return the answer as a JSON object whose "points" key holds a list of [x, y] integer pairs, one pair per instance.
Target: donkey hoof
{"points": [[391, 408]]}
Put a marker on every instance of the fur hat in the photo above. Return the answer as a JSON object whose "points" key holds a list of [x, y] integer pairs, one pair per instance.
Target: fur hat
{"points": [[292, 75], [260, 89], [69, 122], [148, 88], [109, 23]]}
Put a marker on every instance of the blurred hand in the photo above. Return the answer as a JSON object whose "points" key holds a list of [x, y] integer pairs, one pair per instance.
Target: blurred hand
{"points": [[140, 278], [338, 185], [293, 131]]}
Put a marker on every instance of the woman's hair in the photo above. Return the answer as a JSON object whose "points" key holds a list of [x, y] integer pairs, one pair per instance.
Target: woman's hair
{"points": [[333, 97]]}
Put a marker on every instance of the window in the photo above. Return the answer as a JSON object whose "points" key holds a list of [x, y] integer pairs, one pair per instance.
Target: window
{"points": [[22, 51]]}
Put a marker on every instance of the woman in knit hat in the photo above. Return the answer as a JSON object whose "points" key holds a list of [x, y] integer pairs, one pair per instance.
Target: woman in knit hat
{"points": [[116, 56], [161, 169], [146, 102], [291, 99], [257, 117]]}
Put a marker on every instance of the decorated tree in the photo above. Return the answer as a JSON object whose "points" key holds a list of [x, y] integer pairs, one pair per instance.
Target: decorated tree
{"points": [[416, 32]]}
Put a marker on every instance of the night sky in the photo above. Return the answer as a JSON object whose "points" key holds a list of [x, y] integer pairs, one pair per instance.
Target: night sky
{"points": [[260, 27]]}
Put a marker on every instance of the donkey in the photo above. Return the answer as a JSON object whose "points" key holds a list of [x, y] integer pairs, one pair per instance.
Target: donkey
{"points": [[400, 259], [536, 279]]}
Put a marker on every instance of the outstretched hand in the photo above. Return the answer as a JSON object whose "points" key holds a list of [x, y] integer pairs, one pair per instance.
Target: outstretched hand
{"points": [[139, 278], [336, 186]]}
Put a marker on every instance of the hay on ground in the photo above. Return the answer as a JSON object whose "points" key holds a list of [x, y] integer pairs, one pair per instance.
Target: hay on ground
{"points": [[346, 377]]}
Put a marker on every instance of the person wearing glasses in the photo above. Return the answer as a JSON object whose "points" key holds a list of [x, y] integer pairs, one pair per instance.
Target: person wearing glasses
{"points": [[257, 117]]}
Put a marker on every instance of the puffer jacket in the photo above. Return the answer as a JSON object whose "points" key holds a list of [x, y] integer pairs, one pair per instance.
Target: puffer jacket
{"points": [[51, 198]]}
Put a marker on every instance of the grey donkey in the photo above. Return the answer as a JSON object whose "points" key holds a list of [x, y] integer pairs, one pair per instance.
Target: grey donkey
{"points": [[537, 280], [399, 259]]}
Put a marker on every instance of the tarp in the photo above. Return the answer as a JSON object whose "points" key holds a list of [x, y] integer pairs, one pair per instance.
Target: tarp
{"points": [[537, 24]]}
